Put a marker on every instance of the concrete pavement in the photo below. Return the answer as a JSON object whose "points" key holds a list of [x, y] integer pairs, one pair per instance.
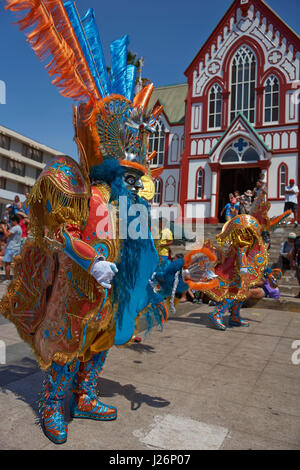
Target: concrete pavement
{"points": [[186, 387]]}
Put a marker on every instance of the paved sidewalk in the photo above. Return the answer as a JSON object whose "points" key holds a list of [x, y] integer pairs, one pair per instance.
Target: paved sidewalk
{"points": [[187, 387]]}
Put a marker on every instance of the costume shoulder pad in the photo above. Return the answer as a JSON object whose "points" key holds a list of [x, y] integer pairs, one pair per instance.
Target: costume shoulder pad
{"points": [[59, 196]]}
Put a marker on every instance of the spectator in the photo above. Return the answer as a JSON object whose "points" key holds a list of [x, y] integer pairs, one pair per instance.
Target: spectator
{"points": [[286, 251], [165, 240], [25, 204], [245, 202], [13, 244], [291, 199], [259, 187], [24, 223], [17, 205], [237, 196], [231, 209], [264, 289], [2, 251], [8, 211], [296, 261]]}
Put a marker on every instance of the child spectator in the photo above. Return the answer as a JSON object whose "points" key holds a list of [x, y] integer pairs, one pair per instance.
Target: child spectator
{"points": [[13, 244], [231, 209]]}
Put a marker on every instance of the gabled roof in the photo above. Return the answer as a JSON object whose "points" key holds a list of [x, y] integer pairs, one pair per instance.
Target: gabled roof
{"points": [[260, 5], [172, 98], [242, 121]]}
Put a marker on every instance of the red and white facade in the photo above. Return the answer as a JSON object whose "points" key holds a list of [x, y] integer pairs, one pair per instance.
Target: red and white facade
{"points": [[241, 115]]}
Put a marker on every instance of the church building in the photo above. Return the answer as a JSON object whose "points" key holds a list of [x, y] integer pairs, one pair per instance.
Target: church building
{"points": [[235, 118]]}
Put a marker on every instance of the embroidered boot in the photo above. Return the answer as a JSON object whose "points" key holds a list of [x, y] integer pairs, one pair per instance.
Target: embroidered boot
{"points": [[53, 395], [84, 401], [217, 316], [235, 319]]}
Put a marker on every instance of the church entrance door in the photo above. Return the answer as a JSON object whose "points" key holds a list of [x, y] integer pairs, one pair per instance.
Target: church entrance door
{"points": [[235, 179]]}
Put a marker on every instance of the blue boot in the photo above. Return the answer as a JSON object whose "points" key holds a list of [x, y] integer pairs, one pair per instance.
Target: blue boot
{"points": [[84, 401], [217, 316], [52, 399], [235, 319]]}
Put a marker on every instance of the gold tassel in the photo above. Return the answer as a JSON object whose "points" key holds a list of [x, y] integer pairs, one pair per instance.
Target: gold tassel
{"points": [[65, 208]]}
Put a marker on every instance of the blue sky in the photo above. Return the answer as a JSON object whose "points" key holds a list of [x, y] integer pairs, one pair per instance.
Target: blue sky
{"points": [[167, 33]]}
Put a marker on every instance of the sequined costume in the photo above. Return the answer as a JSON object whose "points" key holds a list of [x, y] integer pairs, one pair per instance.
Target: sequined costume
{"points": [[81, 281], [242, 259]]}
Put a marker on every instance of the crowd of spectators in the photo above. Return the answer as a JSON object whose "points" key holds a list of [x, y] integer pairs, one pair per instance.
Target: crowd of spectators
{"points": [[14, 226], [242, 203]]}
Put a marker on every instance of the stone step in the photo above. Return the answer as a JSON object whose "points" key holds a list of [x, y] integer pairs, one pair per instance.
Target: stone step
{"points": [[285, 303]]}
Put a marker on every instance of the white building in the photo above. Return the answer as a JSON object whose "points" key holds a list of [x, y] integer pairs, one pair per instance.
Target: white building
{"points": [[21, 161]]}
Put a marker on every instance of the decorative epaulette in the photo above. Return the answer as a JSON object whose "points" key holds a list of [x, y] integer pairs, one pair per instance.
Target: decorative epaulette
{"points": [[60, 196]]}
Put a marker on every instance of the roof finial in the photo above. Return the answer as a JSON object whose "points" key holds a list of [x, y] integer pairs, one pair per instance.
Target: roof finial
{"points": [[244, 6]]}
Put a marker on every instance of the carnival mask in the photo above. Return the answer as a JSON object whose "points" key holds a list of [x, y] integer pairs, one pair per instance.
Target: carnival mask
{"points": [[133, 181]]}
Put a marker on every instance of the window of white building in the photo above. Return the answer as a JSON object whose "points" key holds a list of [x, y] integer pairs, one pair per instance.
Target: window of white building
{"points": [[157, 142], [272, 99], [5, 141], [215, 107], [243, 82]]}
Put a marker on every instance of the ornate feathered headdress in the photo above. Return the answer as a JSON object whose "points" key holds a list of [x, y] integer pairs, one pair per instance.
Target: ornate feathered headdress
{"points": [[109, 122]]}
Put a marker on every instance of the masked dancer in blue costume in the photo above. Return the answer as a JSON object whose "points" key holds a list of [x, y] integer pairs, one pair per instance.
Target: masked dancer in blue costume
{"points": [[88, 272]]}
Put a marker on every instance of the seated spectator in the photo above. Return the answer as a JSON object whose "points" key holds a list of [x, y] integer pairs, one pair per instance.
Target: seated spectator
{"points": [[264, 288], [286, 251], [245, 202], [231, 209], [296, 259], [13, 243]]}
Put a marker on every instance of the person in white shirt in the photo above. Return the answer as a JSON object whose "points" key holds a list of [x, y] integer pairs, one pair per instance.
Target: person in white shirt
{"points": [[291, 199]]}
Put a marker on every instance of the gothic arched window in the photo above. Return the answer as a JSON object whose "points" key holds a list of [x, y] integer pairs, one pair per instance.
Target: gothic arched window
{"points": [[243, 82], [215, 106], [230, 156], [200, 183], [272, 99], [170, 187], [158, 191], [282, 179], [157, 142]]}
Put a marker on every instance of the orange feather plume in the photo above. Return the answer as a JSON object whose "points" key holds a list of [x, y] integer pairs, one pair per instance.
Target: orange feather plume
{"points": [[53, 39], [206, 251]]}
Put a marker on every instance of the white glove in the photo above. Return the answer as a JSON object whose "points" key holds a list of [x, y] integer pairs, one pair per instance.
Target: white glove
{"points": [[103, 272]]}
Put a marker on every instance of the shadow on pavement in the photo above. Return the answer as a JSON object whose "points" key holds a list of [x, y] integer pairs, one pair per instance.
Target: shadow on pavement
{"points": [[12, 372], [142, 348], [109, 388], [195, 318], [28, 390]]}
